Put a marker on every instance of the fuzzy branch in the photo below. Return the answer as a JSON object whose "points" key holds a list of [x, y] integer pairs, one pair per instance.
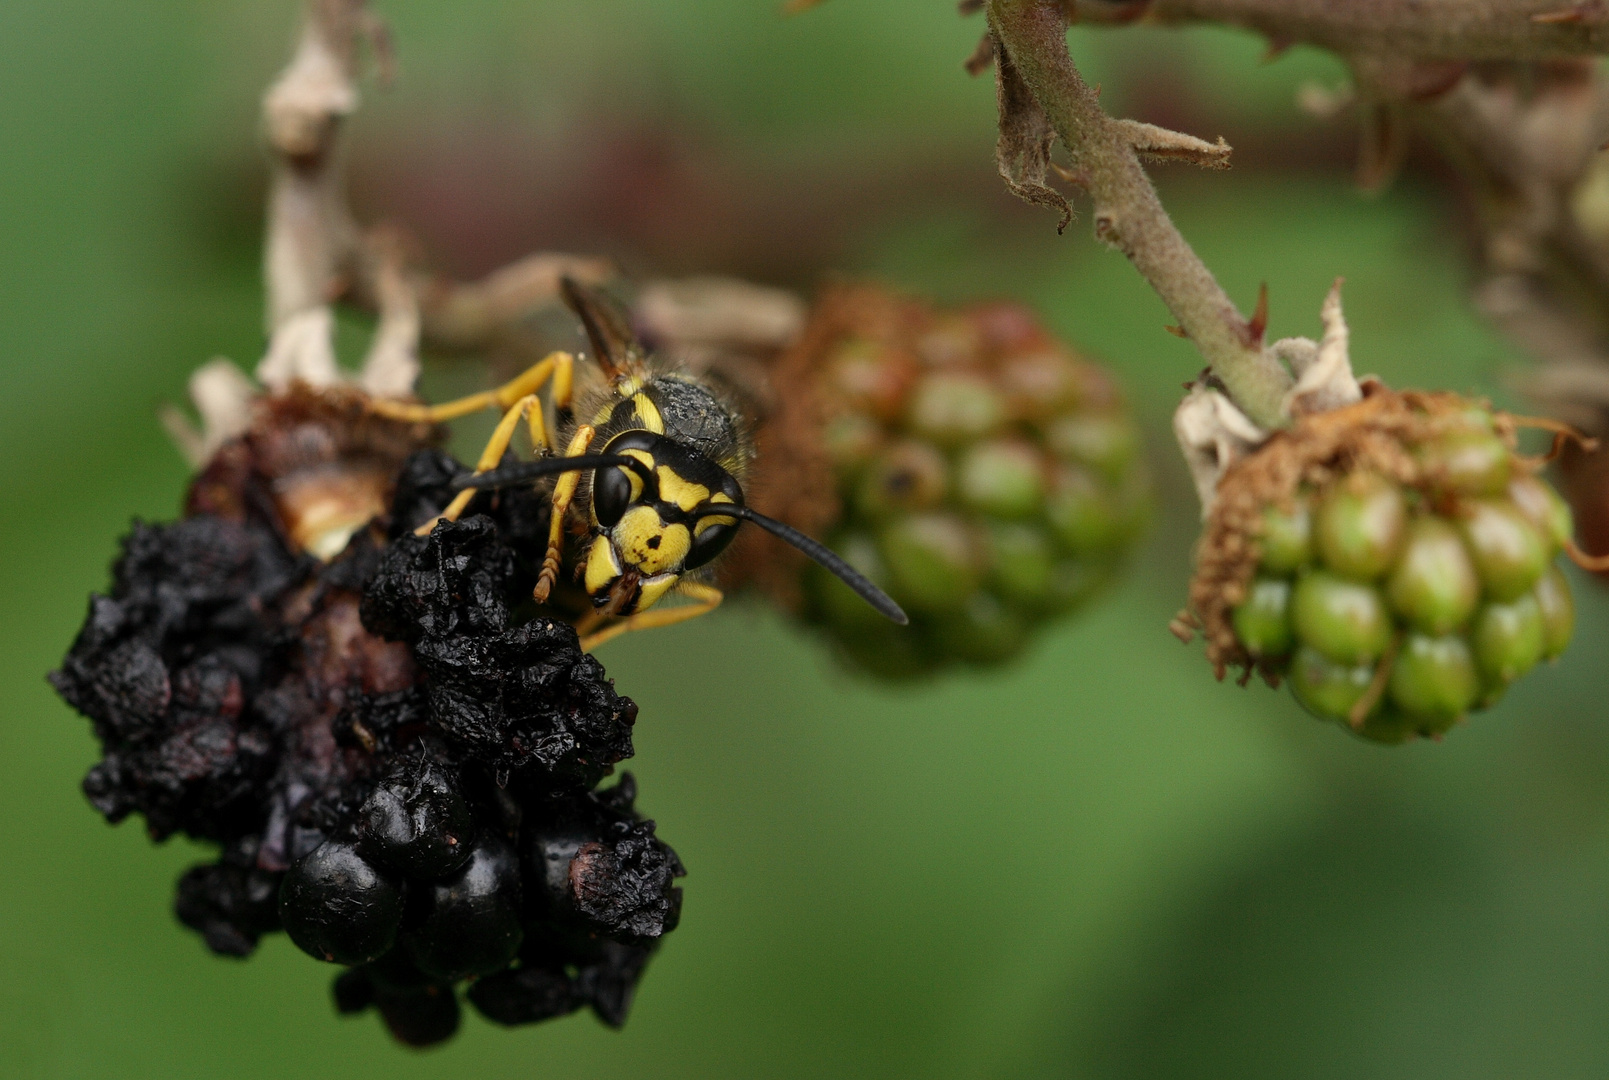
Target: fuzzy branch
{"points": [[1510, 93], [1426, 29], [1043, 97]]}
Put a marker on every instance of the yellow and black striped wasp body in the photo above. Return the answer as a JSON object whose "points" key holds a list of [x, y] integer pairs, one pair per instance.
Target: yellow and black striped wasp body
{"points": [[655, 460]]}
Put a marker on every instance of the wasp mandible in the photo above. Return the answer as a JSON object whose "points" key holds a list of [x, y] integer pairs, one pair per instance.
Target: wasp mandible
{"points": [[662, 492]]}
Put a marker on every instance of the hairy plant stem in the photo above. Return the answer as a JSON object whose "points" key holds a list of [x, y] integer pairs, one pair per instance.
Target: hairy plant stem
{"points": [[1129, 215], [1423, 29]]}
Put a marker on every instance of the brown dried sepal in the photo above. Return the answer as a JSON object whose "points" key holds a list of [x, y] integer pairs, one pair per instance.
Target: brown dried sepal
{"points": [[793, 478], [315, 462], [1376, 435]]}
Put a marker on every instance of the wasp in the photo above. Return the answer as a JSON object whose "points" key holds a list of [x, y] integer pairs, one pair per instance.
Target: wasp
{"points": [[656, 467]]}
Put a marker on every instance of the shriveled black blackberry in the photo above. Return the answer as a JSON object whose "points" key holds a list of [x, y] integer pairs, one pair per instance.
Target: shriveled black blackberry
{"points": [[376, 739], [230, 906], [470, 922], [415, 822], [337, 905], [166, 666], [508, 695], [595, 866]]}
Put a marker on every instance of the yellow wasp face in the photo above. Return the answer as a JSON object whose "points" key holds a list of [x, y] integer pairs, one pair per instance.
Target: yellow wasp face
{"points": [[652, 522]]}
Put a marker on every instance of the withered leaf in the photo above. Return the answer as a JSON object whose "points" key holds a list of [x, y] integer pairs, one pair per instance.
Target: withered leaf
{"points": [[1026, 136]]}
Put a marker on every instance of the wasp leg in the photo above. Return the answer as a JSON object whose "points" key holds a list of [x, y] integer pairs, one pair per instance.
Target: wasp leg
{"points": [[557, 367], [705, 599], [529, 405], [585, 624], [563, 492]]}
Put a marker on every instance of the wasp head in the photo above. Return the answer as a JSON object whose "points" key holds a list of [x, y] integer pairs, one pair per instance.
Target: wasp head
{"points": [[655, 517]]}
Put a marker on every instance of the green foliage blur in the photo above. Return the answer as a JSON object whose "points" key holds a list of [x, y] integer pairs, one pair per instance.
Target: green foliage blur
{"points": [[1096, 863]]}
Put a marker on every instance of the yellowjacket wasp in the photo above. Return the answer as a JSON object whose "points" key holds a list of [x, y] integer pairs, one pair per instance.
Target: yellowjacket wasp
{"points": [[663, 495]]}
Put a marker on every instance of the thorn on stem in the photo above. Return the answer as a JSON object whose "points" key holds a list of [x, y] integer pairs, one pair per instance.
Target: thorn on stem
{"points": [[1384, 146], [1595, 11], [1277, 47], [982, 58], [1179, 332], [1258, 325]]}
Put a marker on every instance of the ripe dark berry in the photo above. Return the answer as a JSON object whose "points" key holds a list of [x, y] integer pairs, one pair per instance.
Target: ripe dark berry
{"points": [[422, 1017], [352, 991], [597, 868], [471, 923], [224, 661], [231, 906], [338, 906], [524, 995], [416, 823]]}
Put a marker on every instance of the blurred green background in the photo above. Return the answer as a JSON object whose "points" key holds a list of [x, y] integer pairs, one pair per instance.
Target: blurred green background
{"points": [[1096, 863]]}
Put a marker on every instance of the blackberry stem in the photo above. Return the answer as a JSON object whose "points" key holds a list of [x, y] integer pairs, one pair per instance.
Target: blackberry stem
{"points": [[1032, 55]]}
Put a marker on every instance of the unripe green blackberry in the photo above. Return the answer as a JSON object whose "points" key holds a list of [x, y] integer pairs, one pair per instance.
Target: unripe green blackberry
{"points": [[989, 477], [1390, 558]]}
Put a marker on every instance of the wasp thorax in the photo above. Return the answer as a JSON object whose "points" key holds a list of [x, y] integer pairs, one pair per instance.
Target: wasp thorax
{"points": [[1392, 559]]}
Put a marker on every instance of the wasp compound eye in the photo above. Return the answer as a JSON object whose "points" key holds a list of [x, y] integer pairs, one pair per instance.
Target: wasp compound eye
{"points": [[611, 494], [710, 538]]}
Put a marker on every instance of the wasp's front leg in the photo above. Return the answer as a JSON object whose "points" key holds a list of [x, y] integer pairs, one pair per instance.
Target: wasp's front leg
{"points": [[706, 598], [563, 492], [528, 406], [557, 368]]}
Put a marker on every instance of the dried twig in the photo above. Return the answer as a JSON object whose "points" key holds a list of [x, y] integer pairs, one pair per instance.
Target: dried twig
{"points": [[316, 255], [311, 234]]}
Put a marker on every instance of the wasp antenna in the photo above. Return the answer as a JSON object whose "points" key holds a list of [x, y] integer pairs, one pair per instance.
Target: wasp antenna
{"points": [[607, 330], [818, 551], [530, 470]]}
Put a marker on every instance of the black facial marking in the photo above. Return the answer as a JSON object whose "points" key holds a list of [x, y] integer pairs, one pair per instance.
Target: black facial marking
{"points": [[653, 542]]}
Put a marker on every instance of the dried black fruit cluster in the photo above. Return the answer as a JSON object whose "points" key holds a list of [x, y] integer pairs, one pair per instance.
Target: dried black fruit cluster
{"points": [[396, 755]]}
